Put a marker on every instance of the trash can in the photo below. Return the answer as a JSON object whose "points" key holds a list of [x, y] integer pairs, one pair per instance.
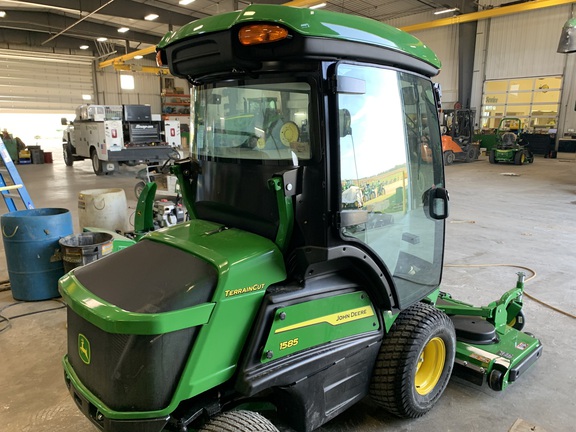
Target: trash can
{"points": [[32, 251], [81, 249]]}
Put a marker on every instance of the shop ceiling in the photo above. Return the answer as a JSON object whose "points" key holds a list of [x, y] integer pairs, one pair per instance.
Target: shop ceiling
{"points": [[94, 24], [69, 24]]}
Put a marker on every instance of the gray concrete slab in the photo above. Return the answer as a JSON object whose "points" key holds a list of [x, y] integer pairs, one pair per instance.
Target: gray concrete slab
{"points": [[499, 214]]}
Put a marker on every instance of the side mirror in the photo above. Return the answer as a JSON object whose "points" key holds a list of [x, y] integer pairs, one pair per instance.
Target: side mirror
{"points": [[438, 95], [64, 121], [436, 203]]}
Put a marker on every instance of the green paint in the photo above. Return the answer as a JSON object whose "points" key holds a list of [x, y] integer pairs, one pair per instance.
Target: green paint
{"points": [[285, 213], [304, 325], [312, 23], [513, 347], [187, 190], [113, 319], [247, 264]]}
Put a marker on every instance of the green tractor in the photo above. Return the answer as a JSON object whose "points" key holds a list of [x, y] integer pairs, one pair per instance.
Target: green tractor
{"points": [[308, 275], [509, 147]]}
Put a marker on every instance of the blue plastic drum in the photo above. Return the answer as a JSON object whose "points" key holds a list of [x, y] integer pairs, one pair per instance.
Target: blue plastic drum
{"points": [[31, 242]]}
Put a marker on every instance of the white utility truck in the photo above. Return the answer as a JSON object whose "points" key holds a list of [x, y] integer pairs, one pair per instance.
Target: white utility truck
{"points": [[111, 135]]}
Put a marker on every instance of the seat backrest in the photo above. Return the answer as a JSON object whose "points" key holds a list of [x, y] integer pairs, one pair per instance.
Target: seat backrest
{"points": [[508, 139]]}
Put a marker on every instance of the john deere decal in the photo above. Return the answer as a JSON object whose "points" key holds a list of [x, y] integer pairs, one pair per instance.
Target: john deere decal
{"points": [[84, 348]]}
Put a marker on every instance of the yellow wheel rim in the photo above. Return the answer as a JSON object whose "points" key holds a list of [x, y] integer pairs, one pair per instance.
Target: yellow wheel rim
{"points": [[430, 366]]}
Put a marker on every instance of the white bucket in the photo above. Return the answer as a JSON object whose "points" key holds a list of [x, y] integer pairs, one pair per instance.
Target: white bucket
{"points": [[103, 208]]}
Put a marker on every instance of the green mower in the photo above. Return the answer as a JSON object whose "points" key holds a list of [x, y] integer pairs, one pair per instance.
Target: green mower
{"points": [[509, 147], [308, 275]]}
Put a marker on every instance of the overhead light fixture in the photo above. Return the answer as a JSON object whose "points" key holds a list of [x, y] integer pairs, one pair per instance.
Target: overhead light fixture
{"points": [[150, 17], [86, 97], [567, 43], [2, 14], [318, 6], [185, 2], [84, 47], [138, 57], [102, 39], [123, 29], [443, 11]]}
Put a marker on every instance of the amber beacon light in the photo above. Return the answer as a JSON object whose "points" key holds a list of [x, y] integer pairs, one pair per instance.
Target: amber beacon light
{"points": [[261, 33]]}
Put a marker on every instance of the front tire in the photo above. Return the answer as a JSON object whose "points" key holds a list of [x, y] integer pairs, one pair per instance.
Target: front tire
{"points": [[471, 155], [449, 157], [96, 163], [68, 157], [520, 158], [492, 157], [415, 362], [239, 421]]}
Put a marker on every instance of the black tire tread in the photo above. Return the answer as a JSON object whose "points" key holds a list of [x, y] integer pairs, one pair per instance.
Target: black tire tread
{"points": [[239, 421], [399, 348]]}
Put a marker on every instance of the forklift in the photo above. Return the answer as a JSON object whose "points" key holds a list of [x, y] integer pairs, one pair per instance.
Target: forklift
{"points": [[457, 136], [308, 275]]}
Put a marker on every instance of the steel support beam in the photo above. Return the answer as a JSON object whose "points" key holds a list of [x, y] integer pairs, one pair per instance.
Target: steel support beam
{"points": [[486, 14]]}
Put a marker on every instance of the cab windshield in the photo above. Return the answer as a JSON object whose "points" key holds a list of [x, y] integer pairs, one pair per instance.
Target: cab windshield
{"points": [[239, 120]]}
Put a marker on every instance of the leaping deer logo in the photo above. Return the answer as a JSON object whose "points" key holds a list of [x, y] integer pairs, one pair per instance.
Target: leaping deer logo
{"points": [[84, 348]]}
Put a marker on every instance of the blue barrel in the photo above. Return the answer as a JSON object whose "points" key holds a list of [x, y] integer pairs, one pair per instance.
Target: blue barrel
{"points": [[31, 242]]}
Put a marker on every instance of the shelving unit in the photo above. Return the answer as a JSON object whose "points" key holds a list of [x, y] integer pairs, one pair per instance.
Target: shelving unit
{"points": [[175, 105]]}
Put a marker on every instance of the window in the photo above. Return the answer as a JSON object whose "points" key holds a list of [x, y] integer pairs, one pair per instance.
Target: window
{"points": [[127, 82], [535, 101], [259, 121], [390, 161]]}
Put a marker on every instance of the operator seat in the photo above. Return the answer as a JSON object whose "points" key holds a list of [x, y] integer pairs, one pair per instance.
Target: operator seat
{"points": [[508, 139]]}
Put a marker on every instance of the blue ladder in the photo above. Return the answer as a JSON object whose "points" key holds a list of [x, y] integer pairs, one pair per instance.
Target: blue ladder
{"points": [[7, 190]]}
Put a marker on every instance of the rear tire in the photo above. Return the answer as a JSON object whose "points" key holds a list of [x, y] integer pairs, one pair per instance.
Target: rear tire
{"points": [[239, 421], [415, 362], [96, 163]]}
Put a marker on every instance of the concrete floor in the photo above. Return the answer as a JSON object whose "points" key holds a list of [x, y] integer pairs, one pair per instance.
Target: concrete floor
{"points": [[524, 219]]}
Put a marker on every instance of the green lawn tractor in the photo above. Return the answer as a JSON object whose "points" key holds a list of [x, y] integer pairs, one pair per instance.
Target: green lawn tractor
{"points": [[509, 147], [308, 275]]}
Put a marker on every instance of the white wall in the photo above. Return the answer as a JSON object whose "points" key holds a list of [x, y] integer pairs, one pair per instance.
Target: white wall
{"points": [[444, 42], [524, 44], [146, 88]]}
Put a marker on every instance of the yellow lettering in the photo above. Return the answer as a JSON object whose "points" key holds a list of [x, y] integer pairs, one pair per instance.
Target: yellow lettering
{"points": [[252, 288]]}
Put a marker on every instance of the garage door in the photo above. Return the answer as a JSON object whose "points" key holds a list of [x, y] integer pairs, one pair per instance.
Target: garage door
{"points": [[33, 82]]}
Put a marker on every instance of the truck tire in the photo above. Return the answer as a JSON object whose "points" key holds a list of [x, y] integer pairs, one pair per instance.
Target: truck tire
{"points": [[415, 362], [96, 162], [239, 421], [68, 157]]}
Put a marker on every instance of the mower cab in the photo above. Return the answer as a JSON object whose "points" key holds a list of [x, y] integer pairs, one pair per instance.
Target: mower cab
{"points": [[509, 146], [308, 274]]}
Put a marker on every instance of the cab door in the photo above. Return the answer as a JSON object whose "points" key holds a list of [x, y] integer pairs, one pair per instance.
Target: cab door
{"points": [[392, 193]]}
